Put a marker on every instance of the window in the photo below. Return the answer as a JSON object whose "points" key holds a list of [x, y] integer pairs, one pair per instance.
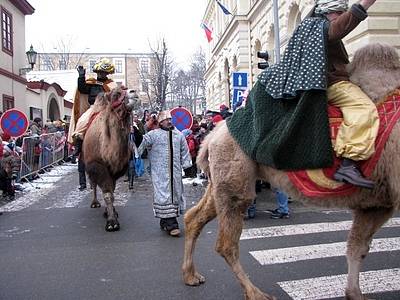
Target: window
{"points": [[8, 102], [145, 87], [92, 62], [118, 66], [63, 64], [144, 66], [47, 64], [6, 31]]}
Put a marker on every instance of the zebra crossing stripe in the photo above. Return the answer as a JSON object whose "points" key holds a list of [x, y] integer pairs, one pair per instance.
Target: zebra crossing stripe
{"points": [[292, 254], [274, 231], [327, 287]]}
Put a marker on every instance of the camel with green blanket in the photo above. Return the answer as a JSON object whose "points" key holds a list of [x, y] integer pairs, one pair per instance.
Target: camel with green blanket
{"points": [[376, 69]]}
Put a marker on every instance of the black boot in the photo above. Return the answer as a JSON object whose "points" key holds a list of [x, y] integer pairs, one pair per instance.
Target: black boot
{"points": [[171, 226], [349, 172]]}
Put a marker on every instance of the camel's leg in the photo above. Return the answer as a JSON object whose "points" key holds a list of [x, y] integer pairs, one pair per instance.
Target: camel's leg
{"points": [[365, 223], [195, 219], [112, 220], [230, 217], [95, 202], [99, 174]]}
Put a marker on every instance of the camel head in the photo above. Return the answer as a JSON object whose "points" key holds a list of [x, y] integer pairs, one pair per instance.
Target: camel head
{"points": [[376, 69], [120, 97], [133, 100]]}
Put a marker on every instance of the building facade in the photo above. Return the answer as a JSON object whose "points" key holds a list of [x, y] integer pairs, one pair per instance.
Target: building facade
{"points": [[131, 69], [12, 54], [236, 38], [36, 99]]}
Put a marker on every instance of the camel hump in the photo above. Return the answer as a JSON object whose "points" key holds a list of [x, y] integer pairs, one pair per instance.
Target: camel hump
{"points": [[375, 68]]}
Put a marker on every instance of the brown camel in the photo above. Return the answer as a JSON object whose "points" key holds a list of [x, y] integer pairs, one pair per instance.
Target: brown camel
{"points": [[105, 147], [233, 174]]}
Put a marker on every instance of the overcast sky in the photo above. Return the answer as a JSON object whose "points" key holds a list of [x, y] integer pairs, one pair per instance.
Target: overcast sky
{"points": [[117, 25]]}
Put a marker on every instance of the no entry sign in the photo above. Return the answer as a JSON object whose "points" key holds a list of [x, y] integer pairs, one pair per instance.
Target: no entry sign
{"points": [[14, 122], [181, 118]]}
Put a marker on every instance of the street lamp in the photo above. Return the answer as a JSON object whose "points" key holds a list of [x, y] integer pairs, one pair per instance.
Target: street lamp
{"points": [[31, 55]]}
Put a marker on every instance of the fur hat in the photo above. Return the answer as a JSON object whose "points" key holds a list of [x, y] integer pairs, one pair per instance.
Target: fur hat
{"points": [[323, 7], [163, 115]]}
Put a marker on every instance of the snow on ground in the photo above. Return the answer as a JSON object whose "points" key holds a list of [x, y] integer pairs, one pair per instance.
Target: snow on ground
{"points": [[194, 181], [34, 191]]}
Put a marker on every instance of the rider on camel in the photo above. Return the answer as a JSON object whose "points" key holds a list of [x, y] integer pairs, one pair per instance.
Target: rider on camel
{"points": [[357, 133], [285, 124], [85, 97]]}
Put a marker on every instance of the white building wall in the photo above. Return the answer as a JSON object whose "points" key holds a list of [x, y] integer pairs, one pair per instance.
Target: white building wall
{"points": [[14, 63]]}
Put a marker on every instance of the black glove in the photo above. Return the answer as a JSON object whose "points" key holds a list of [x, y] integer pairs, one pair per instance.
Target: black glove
{"points": [[81, 71]]}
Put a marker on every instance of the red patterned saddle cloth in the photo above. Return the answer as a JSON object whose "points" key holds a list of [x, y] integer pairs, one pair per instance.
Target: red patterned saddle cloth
{"points": [[320, 182]]}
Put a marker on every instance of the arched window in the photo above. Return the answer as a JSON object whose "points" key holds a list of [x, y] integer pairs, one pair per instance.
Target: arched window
{"points": [[294, 18], [54, 110]]}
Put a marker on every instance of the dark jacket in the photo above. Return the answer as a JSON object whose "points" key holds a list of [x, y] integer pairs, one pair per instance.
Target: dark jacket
{"points": [[337, 55], [92, 87]]}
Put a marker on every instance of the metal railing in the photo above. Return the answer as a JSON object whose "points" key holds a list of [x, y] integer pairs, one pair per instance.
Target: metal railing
{"points": [[40, 152]]}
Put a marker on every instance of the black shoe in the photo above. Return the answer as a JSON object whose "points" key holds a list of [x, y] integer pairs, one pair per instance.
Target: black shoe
{"points": [[279, 215], [82, 187], [169, 224], [349, 172]]}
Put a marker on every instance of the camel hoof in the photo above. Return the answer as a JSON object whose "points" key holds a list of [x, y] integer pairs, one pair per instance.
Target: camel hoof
{"points": [[112, 225], [95, 205], [194, 280]]}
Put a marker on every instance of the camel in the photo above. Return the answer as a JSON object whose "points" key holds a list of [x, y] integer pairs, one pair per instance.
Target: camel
{"points": [[105, 147], [233, 174]]}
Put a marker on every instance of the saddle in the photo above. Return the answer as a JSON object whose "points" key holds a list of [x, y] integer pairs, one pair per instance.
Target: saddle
{"points": [[320, 182]]}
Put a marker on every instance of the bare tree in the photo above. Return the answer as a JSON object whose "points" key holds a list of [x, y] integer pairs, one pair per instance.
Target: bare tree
{"points": [[188, 86], [156, 81], [61, 57]]}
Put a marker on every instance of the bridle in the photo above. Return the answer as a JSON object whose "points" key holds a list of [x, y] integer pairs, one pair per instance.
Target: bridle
{"points": [[119, 107]]}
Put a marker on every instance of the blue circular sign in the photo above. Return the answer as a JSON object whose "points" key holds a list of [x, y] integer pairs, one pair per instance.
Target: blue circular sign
{"points": [[14, 122], [181, 118]]}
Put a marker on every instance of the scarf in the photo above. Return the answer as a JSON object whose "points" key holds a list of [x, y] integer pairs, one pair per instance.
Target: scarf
{"points": [[327, 6]]}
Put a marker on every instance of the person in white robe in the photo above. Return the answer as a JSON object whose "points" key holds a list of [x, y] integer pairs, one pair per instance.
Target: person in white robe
{"points": [[168, 154]]}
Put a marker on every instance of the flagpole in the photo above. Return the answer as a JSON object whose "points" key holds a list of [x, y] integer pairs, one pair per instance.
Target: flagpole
{"points": [[276, 32]]}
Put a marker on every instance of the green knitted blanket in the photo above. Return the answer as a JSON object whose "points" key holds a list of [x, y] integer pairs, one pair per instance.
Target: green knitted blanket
{"points": [[286, 134]]}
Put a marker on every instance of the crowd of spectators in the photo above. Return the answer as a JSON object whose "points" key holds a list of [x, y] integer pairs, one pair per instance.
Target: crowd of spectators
{"points": [[35, 144]]}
